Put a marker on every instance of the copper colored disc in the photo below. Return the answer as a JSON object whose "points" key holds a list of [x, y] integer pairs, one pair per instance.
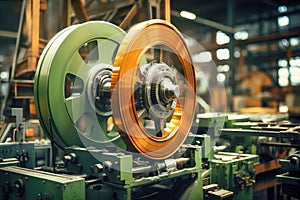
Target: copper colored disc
{"points": [[137, 42]]}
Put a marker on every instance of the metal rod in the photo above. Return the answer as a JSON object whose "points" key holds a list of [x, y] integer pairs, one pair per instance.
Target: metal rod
{"points": [[5, 131], [80, 10], [52, 145], [142, 169], [167, 10], [249, 132], [132, 12], [280, 144], [206, 173], [230, 23], [8, 34], [14, 63]]}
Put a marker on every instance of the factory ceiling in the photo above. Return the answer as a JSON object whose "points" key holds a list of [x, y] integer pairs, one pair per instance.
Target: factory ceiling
{"points": [[243, 10]]}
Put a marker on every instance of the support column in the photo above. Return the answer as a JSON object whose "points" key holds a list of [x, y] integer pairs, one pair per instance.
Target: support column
{"points": [[35, 35], [230, 23]]}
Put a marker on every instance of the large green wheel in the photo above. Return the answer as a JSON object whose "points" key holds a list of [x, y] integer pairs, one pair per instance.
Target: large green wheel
{"points": [[72, 85]]}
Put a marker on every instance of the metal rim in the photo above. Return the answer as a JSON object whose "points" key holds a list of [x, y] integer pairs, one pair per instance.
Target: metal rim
{"points": [[62, 84], [136, 43]]}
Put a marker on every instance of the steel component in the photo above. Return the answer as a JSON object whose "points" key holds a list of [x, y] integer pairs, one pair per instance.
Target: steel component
{"points": [[28, 154], [117, 177], [234, 172], [71, 84], [99, 89], [160, 90], [129, 89], [24, 152], [290, 180], [4, 162], [19, 133], [292, 164], [17, 184], [213, 191]]}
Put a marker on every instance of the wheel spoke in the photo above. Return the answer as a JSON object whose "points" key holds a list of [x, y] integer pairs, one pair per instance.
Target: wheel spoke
{"points": [[99, 129], [105, 56], [142, 113], [158, 54], [77, 106], [77, 66], [159, 124]]}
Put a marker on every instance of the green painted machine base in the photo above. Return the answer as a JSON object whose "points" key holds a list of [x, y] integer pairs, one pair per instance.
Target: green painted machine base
{"points": [[113, 176], [20, 183]]}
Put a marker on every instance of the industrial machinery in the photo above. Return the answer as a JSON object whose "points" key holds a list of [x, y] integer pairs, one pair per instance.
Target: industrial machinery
{"points": [[290, 180], [263, 150], [22, 144], [234, 172], [119, 106], [123, 112]]}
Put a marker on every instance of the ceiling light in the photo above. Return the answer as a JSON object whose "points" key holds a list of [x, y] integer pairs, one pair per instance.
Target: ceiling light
{"points": [[294, 41], [241, 35], [188, 15], [283, 72], [282, 9], [283, 21], [223, 68], [282, 63], [222, 38], [221, 77], [223, 54], [4, 75]]}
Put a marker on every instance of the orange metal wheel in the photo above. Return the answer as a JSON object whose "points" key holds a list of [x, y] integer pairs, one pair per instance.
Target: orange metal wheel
{"points": [[153, 102]]}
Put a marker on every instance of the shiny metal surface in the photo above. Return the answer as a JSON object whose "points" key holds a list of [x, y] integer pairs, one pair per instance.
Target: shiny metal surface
{"points": [[130, 118]]}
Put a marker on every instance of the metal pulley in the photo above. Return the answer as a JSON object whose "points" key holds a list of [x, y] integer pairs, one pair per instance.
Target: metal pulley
{"points": [[72, 85], [153, 104]]}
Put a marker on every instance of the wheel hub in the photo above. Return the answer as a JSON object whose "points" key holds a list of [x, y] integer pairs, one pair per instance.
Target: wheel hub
{"points": [[99, 89], [161, 89]]}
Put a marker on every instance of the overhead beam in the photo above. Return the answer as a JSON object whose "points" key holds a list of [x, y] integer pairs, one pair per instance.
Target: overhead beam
{"points": [[80, 10], [129, 16], [207, 22], [8, 34], [258, 39], [270, 3]]}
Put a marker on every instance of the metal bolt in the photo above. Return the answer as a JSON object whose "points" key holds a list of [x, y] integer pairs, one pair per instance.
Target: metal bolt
{"points": [[293, 160], [98, 168], [170, 91]]}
